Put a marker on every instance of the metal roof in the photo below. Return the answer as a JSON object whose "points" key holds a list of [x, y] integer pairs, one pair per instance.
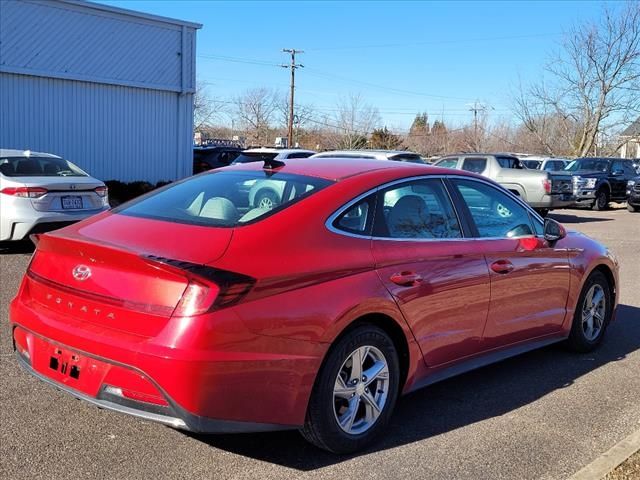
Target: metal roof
{"points": [[131, 13]]}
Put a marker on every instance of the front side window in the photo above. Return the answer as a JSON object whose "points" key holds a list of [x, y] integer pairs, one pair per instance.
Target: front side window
{"points": [[495, 214], [419, 209], [474, 164], [224, 198], [39, 167]]}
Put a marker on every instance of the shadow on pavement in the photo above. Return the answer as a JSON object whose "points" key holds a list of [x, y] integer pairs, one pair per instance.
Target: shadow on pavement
{"points": [[485, 393], [22, 246], [565, 218]]}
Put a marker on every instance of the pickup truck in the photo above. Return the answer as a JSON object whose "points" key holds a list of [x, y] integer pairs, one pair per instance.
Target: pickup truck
{"points": [[598, 181], [542, 190]]}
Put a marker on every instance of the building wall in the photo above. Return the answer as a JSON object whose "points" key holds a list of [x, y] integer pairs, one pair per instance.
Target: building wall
{"points": [[112, 132], [108, 89]]}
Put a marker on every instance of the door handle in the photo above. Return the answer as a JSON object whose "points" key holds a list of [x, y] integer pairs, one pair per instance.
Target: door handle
{"points": [[406, 279], [502, 266]]}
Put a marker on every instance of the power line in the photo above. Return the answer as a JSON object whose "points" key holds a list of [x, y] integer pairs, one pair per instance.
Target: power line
{"points": [[433, 42]]}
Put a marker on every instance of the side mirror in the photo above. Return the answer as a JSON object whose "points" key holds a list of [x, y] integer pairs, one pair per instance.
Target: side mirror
{"points": [[553, 231]]}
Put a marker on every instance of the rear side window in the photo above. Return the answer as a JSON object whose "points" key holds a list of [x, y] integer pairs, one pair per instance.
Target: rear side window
{"points": [[224, 199], [474, 164], [508, 162], [38, 167], [418, 209], [447, 163], [358, 218]]}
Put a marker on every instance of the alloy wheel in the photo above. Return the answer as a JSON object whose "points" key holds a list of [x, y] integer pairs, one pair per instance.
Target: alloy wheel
{"points": [[361, 389], [593, 312]]}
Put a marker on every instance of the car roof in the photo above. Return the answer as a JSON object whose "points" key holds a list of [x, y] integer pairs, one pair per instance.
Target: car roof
{"points": [[337, 169], [276, 150], [6, 152], [377, 153]]}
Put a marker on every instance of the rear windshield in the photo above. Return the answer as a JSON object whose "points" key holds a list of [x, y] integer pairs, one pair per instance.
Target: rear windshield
{"points": [[247, 157], [224, 199], [407, 157], [38, 167]]}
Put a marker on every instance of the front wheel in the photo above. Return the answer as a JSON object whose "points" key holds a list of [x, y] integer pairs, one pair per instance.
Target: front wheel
{"points": [[592, 315], [355, 392], [602, 200], [632, 208]]}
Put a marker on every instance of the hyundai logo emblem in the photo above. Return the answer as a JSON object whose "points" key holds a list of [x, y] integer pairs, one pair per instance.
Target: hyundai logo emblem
{"points": [[81, 272]]}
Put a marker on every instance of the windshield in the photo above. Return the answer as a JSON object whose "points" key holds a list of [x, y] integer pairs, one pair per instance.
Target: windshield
{"points": [[246, 157], [224, 198], [588, 164], [39, 167]]}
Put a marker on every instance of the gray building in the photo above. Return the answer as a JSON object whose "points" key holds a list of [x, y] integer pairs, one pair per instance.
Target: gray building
{"points": [[106, 88]]}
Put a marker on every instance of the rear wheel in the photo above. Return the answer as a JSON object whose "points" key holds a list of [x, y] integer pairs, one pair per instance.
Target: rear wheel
{"points": [[355, 392], [602, 200], [592, 315]]}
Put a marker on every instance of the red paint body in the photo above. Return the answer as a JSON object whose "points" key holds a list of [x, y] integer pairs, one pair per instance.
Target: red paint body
{"points": [[311, 284]]}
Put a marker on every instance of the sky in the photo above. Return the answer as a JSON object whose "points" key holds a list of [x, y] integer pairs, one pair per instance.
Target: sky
{"points": [[401, 57]]}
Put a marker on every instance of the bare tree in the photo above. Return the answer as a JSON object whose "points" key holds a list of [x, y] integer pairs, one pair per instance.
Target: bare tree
{"points": [[206, 109], [255, 111], [353, 121], [593, 84]]}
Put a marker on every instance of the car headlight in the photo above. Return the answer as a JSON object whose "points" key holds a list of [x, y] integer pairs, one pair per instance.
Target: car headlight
{"points": [[585, 182], [631, 183]]}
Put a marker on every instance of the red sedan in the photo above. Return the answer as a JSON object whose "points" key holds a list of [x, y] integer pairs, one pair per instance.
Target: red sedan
{"points": [[199, 307]]}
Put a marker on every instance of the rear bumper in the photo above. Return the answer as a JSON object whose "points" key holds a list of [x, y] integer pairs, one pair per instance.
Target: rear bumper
{"points": [[555, 200], [206, 380], [172, 416], [18, 228]]}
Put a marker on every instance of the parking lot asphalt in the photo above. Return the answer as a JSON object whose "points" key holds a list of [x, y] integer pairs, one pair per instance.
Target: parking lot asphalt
{"points": [[544, 414]]}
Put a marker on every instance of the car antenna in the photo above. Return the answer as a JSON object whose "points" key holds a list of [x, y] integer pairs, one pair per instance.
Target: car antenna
{"points": [[272, 164]]}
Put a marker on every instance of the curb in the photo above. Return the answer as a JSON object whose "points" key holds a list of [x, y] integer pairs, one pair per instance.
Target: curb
{"points": [[610, 459]]}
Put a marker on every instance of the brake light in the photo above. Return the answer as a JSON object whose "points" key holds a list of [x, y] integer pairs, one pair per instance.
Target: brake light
{"points": [[101, 191], [209, 288], [25, 192], [546, 183], [197, 298]]}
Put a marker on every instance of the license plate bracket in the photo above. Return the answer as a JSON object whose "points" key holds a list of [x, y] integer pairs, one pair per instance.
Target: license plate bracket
{"points": [[71, 202]]}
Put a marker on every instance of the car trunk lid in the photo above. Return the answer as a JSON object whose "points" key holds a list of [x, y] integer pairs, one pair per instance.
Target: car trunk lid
{"points": [[107, 272], [65, 194]]}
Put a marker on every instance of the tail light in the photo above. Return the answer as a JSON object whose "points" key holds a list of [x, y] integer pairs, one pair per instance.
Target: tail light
{"points": [[546, 183], [25, 192], [209, 288], [101, 191]]}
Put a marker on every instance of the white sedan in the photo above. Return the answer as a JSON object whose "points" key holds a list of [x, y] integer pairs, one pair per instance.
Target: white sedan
{"points": [[41, 192]]}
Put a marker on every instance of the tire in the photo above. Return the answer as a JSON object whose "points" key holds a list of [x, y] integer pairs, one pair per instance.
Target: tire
{"points": [[602, 200], [543, 212], [322, 427], [266, 199], [632, 208], [580, 340]]}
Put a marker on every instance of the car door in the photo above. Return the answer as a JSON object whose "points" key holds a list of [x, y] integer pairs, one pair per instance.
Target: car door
{"points": [[437, 277], [529, 278], [618, 179]]}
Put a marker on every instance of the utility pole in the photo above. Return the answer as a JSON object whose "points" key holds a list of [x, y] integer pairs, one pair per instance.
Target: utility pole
{"points": [[476, 107], [293, 65]]}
